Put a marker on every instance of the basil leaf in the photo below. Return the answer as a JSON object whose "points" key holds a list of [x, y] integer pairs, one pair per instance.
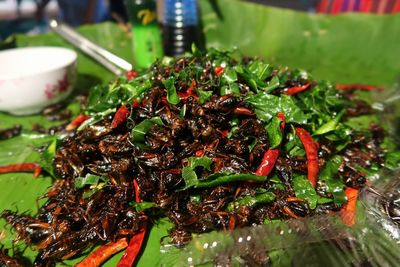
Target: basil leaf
{"points": [[203, 95], [188, 172], [251, 79], [392, 160], [274, 132], [172, 95], [47, 158], [330, 125], [204, 162], [329, 184], [89, 179], [303, 189], [267, 106], [272, 84], [140, 130], [189, 176], [223, 178], [182, 111], [232, 88], [323, 200], [251, 201], [105, 97], [141, 206], [229, 76], [260, 69]]}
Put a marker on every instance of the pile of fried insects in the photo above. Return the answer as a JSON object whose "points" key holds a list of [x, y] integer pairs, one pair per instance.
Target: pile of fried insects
{"points": [[209, 142]]}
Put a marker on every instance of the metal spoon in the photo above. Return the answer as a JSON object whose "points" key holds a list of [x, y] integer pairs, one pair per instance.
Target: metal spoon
{"points": [[112, 62]]}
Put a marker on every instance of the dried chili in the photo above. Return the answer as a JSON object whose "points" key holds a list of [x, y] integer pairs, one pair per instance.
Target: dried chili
{"points": [[136, 242], [103, 253], [311, 155], [268, 162], [130, 75], [281, 116], [120, 116], [131, 253], [75, 123], [297, 89], [22, 167], [219, 70], [243, 111], [359, 87], [348, 211]]}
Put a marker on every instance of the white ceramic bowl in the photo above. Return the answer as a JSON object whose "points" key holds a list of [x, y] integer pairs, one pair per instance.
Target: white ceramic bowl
{"points": [[34, 77]]}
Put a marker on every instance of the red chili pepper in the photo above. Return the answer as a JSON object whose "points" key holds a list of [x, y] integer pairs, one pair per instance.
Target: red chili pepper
{"points": [[185, 95], [137, 191], [22, 167], [100, 255], [225, 133], [243, 111], [219, 70], [130, 75], [268, 162], [199, 153], [189, 92], [348, 211], [131, 253], [358, 86], [75, 123], [193, 84], [136, 104], [120, 116], [296, 89], [232, 222], [136, 242], [311, 155], [281, 116]]}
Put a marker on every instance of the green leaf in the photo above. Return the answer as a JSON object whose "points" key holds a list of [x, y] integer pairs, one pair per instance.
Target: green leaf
{"points": [[251, 79], [89, 179], [301, 40], [267, 106], [392, 160], [140, 130], [204, 162], [189, 176], [48, 155], [204, 96], [303, 189], [251, 201], [172, 95], [261, 69], [272, 84], [182, 111], [188, 172], [223, 178], [229, 75], [330, 184], [274, 132], [330, 125], [323, 200], [231, 88], [141, 206]]}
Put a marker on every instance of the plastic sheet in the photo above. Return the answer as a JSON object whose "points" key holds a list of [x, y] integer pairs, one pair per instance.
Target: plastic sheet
{"points": [[319, 240]]}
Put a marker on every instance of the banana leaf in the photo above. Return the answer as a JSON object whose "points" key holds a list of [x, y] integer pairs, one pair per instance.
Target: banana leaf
{"points": [[351, 48]]}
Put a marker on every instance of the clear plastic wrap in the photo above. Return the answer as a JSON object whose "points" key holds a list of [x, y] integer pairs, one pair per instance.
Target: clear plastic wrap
{"points": [[318, 240]]}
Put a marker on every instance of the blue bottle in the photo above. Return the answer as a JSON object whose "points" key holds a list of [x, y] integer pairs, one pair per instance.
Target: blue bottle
{"points": [[180, 29]]}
